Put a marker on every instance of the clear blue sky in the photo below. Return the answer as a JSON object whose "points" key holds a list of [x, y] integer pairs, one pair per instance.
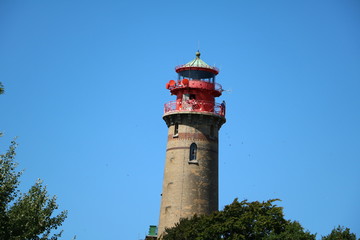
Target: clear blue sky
{"points": [[85, 88]]}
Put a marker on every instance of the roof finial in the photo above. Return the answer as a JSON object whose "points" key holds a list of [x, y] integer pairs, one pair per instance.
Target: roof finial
{"points": [[197, 54]]}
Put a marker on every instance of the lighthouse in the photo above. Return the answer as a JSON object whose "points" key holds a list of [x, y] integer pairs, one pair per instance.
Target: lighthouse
{"points": [[190, 184]]}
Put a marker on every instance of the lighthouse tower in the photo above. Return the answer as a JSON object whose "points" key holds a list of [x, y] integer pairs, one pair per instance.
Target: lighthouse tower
{"points": [[190, 184]]}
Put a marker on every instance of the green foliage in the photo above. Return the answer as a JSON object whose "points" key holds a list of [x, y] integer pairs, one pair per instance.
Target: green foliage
{"points": [[340, 233], [25, 216], [1, 88], [1, 92], [293, 231], [240, 221]]}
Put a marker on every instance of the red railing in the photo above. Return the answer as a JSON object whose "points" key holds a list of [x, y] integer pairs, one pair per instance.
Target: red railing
{"points": [[195, 106], [207, 85]]}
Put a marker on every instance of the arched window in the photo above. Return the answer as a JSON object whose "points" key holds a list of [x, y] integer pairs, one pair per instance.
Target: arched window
{"points": [[193, 151], [176, 129]]}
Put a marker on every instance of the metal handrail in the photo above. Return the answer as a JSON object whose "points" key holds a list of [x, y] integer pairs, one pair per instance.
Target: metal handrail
{"points": [[217, 86], [195, 106]]}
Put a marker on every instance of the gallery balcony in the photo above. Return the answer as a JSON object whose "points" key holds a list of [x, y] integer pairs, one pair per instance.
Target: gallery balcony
{"points": [[195, 106]]}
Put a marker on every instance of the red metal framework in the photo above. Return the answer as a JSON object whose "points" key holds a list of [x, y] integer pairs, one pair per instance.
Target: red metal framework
{"points": [[195, 106], [202, 84]]}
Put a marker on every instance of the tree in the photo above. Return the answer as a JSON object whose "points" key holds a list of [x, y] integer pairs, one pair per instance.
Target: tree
{"points": [[25, 216], [240, 220], [293, 231], [1, 88], [340, 233], [1, 92]]}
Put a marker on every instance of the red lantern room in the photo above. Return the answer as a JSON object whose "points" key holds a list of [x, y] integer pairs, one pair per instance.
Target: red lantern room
{"points": [[195, 89]]}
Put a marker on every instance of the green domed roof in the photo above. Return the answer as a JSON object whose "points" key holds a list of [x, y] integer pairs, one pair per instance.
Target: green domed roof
{"points": [[197, 64]]}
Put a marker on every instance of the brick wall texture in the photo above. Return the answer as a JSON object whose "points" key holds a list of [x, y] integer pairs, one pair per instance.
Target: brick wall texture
{"points": [[190, 187]]}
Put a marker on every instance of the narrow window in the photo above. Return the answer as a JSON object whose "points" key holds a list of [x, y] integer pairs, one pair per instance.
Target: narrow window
{"points": [[176, 129], [211, 130], [193, 150]]}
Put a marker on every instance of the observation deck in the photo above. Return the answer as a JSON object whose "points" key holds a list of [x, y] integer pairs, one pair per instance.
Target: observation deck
{"points": [[194, 84], [195, 106]]}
